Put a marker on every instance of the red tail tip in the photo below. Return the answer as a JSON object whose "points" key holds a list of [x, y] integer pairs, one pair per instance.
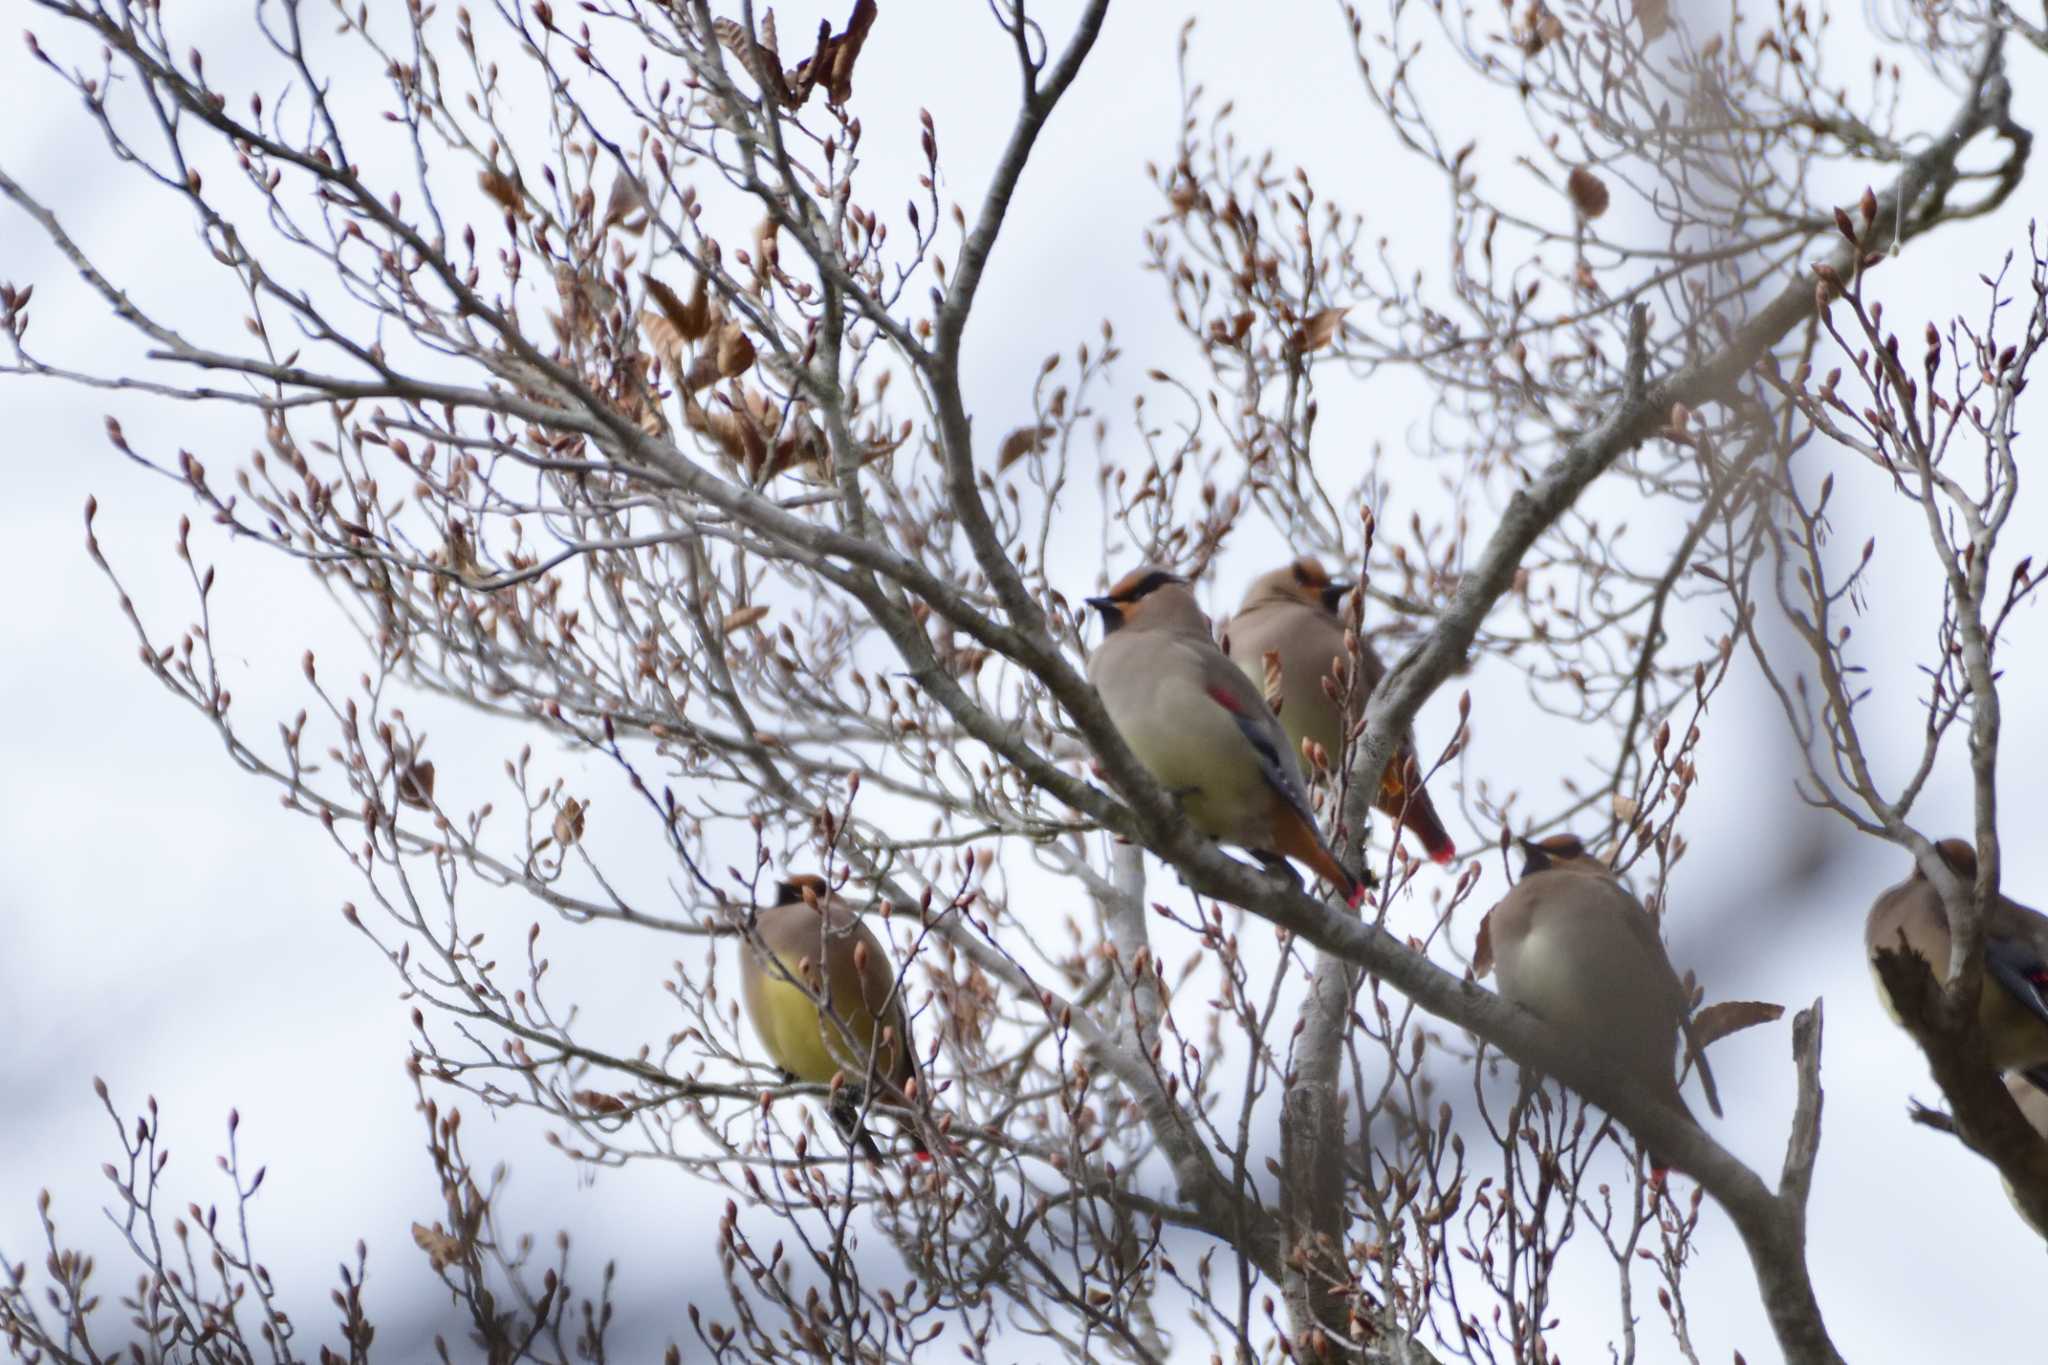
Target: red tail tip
{"points": [[1356, 896], [1443, 855]]}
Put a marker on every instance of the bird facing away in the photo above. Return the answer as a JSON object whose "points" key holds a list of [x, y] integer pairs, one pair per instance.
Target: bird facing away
{"points": [[2011, 1004], [1202, 728], [1292, 612], [818, 951], [1575, 949]]}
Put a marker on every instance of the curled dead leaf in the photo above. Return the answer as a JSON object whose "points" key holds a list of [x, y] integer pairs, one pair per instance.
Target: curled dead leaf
{"points": [[1022, 442], [735, 352], [569, 822], [1715, 1022], [702, 373], [1655, 17], [597, 1102], [1272, 684], [442, 1249], [666, 342], [742, 618], [1321, 329], [504, 189], [1588, 192], [759, 57], [1625, 809], [416, 785], [691, 320], [831, 66]]}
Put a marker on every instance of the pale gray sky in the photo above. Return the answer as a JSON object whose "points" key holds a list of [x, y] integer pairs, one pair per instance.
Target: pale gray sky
{"points": [[165, 925]]}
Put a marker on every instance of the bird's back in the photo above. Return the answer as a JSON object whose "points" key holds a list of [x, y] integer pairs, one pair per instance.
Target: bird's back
{"points": [[1577, 950], [1308, 641]]}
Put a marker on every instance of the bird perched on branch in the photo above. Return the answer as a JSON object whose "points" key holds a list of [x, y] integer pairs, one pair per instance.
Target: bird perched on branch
{"points": [[1575, 949], [824, 1000], [1202, 728], [2012, 1005], [1291, 613]]}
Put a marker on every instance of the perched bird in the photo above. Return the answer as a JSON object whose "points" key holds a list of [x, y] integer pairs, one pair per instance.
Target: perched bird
{"points": [[1201, 726], [819, 952], [1575, 949], [2013, 1002], [1292, 612]]}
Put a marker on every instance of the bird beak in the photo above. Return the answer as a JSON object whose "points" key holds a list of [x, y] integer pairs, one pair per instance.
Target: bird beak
{"points": [[1339, 587], [1104, 605]]}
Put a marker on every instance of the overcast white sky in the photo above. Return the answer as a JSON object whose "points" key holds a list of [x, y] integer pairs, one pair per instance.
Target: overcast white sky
{"points": [[165, 925]]}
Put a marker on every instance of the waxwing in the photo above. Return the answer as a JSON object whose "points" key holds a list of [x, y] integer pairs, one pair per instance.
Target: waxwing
{"points": [[1292, 613], [1574, 948], [2010, 1004], [1202, 728], [817, 952]]}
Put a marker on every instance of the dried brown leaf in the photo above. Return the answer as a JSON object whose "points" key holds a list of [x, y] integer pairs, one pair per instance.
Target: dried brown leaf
{"points": [[691, 320], [442, 1249], [759, 58], [1588, 192], [831, 65], [504, 189], [735, 352], [1022, 442], [739, 620], [703, 373], [1715, 1022], [416, 785], [661, 334], [597, 1102], [626, 203], [569, 822], [1321, 329], [839, 80], [1655, 17], [1272, 683]]}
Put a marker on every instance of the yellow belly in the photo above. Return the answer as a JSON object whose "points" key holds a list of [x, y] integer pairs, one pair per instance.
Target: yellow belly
{"points": [[794, 1034]]}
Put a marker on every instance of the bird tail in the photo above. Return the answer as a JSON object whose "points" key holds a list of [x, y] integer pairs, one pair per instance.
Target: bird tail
{"points": [[1402, 797], [845, 1112], [1294, 836], [1696, 1055]]}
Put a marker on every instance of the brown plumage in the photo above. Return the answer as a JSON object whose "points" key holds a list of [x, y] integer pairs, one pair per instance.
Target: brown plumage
{"points": [[1201, 727], [1292, 612], [862, 1033], [2011, 1004], [1574, 948]]}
